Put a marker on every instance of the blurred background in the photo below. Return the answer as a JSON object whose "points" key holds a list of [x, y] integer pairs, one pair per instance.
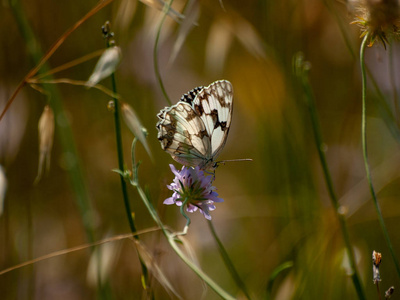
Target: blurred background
{"points": [[276, 208]]}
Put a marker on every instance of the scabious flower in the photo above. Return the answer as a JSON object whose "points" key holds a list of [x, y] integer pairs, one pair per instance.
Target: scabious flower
{"points": [[379, 18], [191, 185]]}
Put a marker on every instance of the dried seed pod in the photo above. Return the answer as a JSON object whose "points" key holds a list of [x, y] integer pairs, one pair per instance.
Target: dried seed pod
{"points": [[376, 259], [133, 123], [46, 136]]}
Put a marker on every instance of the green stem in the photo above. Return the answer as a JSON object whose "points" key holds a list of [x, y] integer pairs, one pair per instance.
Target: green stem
{"points": [[365, 153], [118, 137], [223, 294], [278, 270], [389, 118], [171, 237], [328, 181], [155, 52], [63, 129], [182, 209], [228, 262]]}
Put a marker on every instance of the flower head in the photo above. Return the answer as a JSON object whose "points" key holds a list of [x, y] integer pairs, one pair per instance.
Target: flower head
{"points": [[191, 187], [378, 18]]}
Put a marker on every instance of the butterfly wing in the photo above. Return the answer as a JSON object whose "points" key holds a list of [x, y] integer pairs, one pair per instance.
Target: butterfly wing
{"points": [[214, 105], [183, 134], [194, 130]]}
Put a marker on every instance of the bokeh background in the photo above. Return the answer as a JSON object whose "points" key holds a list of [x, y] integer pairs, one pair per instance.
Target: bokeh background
{"points": [[276, 207]]}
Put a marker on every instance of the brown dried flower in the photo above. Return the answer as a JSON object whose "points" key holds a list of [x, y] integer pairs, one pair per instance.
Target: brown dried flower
{"points": [[378, 18]]}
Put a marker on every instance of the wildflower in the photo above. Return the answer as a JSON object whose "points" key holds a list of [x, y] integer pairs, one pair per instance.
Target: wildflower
{"points": [[378, 18], [192, 188]]}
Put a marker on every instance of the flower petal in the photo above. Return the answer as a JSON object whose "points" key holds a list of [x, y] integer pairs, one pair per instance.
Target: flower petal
{"points": [[192, 184], [169, 201]]}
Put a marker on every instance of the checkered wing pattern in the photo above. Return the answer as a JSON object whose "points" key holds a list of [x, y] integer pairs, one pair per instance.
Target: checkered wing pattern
{"points": [[194, 131]]}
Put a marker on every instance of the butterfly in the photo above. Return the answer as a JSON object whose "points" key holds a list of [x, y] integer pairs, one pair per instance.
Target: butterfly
{"points": [[194, 131]]}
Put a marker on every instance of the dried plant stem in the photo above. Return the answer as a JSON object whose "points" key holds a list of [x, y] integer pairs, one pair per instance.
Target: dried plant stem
{"points": [[64, 134], [64, 130], [37, 55], [77, 248], [365, 153], [70, 64], [106, 91], [328, 180], [378, 291]]}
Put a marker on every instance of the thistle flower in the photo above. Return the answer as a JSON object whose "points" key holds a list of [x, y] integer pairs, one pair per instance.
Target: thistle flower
{"points": [[191, 187], [379, 18]]}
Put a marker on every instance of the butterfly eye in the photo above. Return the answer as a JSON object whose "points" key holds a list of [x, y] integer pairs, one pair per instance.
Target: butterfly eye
{"points": [[171, 133]]}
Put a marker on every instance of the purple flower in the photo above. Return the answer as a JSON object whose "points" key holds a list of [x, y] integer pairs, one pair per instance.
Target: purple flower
{"points": [[191, 185]]}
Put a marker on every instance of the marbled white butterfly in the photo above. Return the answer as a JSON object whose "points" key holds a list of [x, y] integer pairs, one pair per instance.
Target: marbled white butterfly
{"points": [[194, 130]]}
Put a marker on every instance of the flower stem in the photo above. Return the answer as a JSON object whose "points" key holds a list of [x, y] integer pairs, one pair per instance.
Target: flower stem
{"points": [[118, 137], [171, 237], [155, 51], [117, 122], [302, 69], [365, 153], [228, 262], [183, 212], [378, 291]]}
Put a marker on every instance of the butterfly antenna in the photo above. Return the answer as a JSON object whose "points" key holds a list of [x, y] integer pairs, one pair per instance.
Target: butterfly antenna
{"points": [[231, 160]]}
